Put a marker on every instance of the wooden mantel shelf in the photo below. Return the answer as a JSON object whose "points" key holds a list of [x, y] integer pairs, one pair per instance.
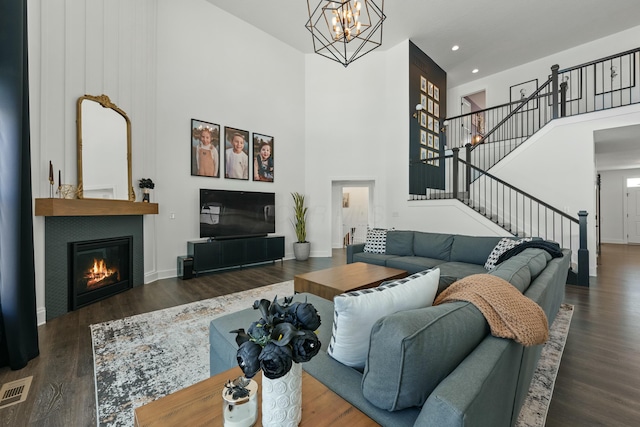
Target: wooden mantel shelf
{"points": [[93, 207]]}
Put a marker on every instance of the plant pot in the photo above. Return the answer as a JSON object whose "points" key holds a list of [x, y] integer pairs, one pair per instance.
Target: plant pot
{"points": [[301, 250]]}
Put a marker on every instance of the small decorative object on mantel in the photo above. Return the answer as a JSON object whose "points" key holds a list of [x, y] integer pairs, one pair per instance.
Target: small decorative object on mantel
{"points": [[51, 179], [147, 185], [240, 403], [277, 343]]}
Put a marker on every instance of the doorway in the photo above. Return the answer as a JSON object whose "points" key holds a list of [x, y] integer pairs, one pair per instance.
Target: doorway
{"points": [[633, 211], [352, 211]]}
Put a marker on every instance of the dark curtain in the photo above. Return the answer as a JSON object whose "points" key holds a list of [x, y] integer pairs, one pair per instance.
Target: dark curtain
{"points": [[18, 323]]}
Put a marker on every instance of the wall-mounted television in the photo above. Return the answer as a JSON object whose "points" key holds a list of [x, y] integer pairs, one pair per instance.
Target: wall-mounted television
{"points": [[226, 214]]}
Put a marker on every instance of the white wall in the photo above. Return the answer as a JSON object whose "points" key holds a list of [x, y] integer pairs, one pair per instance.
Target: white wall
{"points": [[497, 85], [76, 48], [214, 67], [613, 186]]}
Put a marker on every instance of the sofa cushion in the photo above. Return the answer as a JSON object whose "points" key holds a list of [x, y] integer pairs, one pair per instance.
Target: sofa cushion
{"points": [[376, 241], [432, 245], [369, 258], [515, 271], [503, 245], [411, 352], [355, 312], [412, 264], [472, 249], [537, 260], [399, 243], [460, 269]]}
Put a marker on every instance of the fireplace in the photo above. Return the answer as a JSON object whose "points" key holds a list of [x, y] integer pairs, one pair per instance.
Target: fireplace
{"points": [[99, 269]]}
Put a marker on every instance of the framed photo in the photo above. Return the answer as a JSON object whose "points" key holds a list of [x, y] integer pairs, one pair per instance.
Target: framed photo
{"points": [[423, 137], [436, 93], [423, 83], [522, 91], [436, 142], [430, 106], [205, 149], [430, 123], [615, 74], [436, 163], [236, 157], [423, 101], [430, 140], [423, 153], [436, 109], [430, 89], [423, 119], [262, 157]]}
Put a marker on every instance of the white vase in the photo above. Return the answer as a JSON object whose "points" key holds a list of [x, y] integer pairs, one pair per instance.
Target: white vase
{"points": [[282, 399]]}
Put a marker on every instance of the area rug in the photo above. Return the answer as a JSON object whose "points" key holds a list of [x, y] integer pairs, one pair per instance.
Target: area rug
{"points": [[141, 358]]}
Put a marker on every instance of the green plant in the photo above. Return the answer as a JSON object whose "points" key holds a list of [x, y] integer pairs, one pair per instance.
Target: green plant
{"points": [[300, 217]]}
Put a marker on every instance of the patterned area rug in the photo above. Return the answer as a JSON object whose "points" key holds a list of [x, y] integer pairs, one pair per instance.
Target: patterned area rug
{"points": [[141, 358]]}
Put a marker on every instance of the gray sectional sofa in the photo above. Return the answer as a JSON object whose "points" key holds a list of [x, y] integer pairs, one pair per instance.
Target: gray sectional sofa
{"points": [[433, 366]]}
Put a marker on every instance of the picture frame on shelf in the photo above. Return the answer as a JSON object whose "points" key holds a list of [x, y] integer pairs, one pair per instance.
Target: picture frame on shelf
{"points": [[236, 153], [263, 157], [205, 149]]}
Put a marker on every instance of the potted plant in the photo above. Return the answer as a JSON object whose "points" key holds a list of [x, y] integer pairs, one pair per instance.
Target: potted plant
{"points": [[146, 184], [301, 248]]}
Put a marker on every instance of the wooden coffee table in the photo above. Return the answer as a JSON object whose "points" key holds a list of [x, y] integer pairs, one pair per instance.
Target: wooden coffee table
{"points": [[201, 405], [350, 277]]}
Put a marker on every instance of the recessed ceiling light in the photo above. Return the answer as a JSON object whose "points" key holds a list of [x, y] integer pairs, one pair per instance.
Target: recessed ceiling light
{"points": [[475, 70], [455, 47]]}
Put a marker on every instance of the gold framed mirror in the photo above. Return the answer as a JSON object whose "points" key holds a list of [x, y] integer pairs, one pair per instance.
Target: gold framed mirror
{"points": [[104, 150]]}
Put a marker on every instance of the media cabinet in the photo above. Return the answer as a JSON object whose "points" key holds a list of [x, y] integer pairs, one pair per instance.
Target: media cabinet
{"points": [[218, 254]]}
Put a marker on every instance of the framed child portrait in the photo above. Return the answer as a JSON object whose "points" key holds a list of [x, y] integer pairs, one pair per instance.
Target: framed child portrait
{"points": [[236, 157], [205, 149], [262, 157]]}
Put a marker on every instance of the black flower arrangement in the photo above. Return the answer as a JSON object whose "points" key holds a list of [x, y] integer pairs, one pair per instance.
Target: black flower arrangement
{"points": [[146, 183], [282, 336]]}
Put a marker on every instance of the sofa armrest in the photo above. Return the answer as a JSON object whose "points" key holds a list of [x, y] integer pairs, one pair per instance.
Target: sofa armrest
{"points": [[354, 249]]}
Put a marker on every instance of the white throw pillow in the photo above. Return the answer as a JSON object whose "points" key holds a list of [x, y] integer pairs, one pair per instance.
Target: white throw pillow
{"points": [[503, 246], [355, 313], [376, 241]]}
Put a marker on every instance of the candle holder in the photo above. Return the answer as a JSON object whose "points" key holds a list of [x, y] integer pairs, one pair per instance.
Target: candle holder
{"points": [[240, 403]]}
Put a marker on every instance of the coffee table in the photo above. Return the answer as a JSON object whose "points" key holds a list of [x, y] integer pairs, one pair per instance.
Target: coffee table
{"points": [[201, 405], [349, 277]]}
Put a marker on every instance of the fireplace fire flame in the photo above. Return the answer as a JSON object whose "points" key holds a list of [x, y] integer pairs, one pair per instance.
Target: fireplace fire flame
{"points": [[99, 273]]}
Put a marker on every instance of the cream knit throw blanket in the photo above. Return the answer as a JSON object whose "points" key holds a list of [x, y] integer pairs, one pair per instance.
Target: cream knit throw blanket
{"points": [[509, 313]]}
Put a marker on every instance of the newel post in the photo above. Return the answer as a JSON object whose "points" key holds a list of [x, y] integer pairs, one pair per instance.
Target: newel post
{"points": [[554, 90], [455, 171], [583, 252]]}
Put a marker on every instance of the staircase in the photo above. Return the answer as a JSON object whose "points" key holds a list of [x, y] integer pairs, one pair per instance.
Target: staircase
{"points": [[477, 141]]}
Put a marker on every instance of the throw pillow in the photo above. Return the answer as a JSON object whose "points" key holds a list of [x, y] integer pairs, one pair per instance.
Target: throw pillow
{"points": [[376, 242], [503, 245], [356, 312]]}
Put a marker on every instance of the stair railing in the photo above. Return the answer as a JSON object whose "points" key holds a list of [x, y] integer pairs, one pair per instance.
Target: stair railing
{"points": [[609, 82], [511, 208]]}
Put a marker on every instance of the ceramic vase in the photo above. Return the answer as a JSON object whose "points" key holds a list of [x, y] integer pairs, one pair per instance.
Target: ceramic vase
{"points": [[145, 195], [282, 399]]}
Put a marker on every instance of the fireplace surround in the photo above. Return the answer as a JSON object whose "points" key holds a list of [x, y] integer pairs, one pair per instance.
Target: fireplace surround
{"points": [[60, 231]]}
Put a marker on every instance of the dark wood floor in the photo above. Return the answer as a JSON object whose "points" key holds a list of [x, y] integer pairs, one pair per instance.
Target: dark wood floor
{"points": [[598, 383]]}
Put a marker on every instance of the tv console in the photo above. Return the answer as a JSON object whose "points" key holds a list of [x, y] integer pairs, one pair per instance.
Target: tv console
{"points": [[211, 255]]}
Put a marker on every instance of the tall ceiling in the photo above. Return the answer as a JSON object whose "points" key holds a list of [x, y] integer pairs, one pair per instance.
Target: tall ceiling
{"points": [[493, 35]]}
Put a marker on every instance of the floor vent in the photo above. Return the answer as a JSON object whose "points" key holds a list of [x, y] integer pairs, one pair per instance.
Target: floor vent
{"points": [[14, 392]]}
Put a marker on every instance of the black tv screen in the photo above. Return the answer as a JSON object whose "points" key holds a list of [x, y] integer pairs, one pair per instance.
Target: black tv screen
{"points": [[228, 214]]}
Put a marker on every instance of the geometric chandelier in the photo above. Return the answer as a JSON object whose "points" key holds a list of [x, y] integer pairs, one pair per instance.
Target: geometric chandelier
{"points": [[344, 31]]}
